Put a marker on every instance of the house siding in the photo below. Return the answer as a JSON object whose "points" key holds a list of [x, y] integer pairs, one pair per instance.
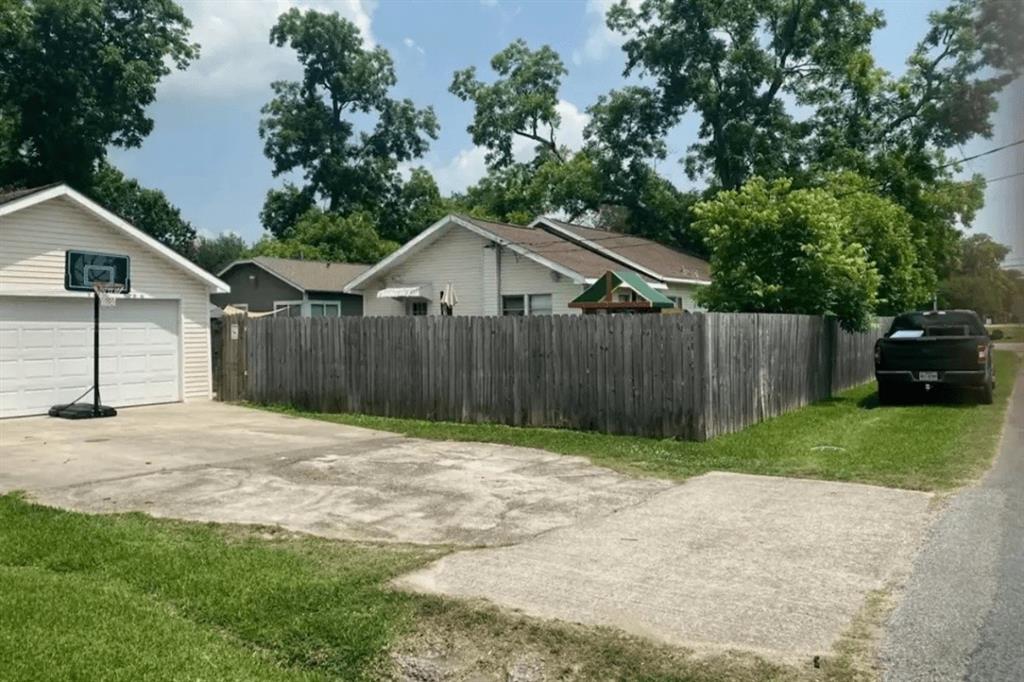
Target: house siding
{"points": [[32, 246], [455, 256], [687, 292], [259, 292], [522, 276]]}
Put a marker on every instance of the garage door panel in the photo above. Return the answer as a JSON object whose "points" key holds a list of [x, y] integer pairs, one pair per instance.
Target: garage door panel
{"points": [[46, 353]]}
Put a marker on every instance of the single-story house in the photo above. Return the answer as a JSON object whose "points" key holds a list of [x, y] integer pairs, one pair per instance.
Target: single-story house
{"points": [[154, 344], [500, 269], [296, 288]]}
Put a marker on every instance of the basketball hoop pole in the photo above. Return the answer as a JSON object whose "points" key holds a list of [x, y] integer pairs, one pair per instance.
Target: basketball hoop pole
{"points": [[96, 353]]}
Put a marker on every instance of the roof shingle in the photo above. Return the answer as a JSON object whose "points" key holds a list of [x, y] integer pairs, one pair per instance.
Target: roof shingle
{"points": [[659, 258], [312, 275], [550, 246]]}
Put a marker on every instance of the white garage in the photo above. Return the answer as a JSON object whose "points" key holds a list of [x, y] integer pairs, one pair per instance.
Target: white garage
{"points": [[154, 344]]}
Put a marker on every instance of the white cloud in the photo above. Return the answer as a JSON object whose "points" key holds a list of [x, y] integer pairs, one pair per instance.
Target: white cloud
{"points": [[413, 45], [600, 40], [469, 165], [236, 56]]}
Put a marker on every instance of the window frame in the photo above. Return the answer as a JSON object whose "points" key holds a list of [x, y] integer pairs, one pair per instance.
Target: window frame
{"points": [[516, 312], [336, 305], [529, 304]]}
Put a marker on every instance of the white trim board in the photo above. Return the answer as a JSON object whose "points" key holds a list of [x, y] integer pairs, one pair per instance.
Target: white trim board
{"points": [[215, 285]]}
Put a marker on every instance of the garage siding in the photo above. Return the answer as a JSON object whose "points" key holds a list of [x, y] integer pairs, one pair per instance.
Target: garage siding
{"points": [[32, 246]]}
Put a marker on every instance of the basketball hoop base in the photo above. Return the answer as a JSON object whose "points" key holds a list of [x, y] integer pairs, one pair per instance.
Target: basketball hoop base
{"points": [[82, 411]]}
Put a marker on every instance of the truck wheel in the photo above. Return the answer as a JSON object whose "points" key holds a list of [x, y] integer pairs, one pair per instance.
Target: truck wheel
{"points": [[986, 393]]}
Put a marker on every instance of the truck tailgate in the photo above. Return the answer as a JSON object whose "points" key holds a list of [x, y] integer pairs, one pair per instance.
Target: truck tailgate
{"points": [[931, 353]]}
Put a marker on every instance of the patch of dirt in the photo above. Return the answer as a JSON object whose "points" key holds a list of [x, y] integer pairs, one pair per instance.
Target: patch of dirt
{"points": [[463, 640]]}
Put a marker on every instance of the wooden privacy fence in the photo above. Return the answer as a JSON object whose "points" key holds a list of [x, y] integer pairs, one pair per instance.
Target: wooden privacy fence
{"points": [[692, 376]]}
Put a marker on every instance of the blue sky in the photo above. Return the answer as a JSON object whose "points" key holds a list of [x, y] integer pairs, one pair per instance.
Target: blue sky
{"points": [[205, 152]]}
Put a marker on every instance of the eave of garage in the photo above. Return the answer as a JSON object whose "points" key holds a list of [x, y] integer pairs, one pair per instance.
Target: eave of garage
{"points": [[44, 194]]}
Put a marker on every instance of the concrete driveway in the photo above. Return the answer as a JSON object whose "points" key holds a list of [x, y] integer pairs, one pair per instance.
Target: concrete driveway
{"points": [[772, 565], [214, 462]]}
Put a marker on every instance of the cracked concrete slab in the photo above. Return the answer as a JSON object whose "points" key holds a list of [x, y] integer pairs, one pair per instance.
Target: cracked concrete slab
{"points": [[223, 463], [725, 561]]}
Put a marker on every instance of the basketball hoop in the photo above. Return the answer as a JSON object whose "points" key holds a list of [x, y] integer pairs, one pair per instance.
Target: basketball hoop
{"points": [[107, 292]]}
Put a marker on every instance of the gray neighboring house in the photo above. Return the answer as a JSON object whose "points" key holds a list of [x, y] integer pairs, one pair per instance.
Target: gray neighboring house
{"points": [[296, 288]]}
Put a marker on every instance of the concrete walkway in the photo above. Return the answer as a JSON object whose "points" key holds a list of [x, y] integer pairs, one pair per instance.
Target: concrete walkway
{"points": [[962, 615], [725, 561], [214, 462]]}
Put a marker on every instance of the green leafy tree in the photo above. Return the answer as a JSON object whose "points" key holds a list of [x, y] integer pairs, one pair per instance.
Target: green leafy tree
{"points": [[338, 126], [776, 249], [521, 102], [321, 235], [283, 208], [733, 62], [414, 206], [147, 209], [979, 283], [213, 254], [886, 231], [76, 77]]}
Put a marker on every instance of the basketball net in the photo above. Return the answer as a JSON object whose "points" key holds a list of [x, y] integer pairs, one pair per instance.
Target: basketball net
{"points": [[107, 292]]}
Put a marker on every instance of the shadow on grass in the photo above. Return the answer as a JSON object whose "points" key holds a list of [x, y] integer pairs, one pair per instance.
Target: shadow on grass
{"points": [[916, 395]]}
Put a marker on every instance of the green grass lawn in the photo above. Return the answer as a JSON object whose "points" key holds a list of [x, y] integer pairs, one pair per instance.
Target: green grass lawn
{"points": [[935, 445], [129, 597]]}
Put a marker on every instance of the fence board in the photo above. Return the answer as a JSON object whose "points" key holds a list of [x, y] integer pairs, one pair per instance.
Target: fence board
{"points": [[691, 376]]}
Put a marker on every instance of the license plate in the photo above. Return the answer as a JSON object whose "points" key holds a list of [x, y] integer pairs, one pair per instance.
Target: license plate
{"points": [[927, 376]]}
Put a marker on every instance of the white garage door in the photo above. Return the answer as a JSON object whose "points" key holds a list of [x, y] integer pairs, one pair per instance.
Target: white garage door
{"points": [[46, 353]]}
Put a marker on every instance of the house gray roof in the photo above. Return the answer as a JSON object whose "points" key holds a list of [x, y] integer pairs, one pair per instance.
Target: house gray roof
{"points": [[550, 246], [661, 259], [312, 274], [309, 275]]}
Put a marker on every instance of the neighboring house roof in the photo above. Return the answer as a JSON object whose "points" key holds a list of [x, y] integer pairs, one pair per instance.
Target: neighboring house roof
{"points": [[307, 275], [554, 252], [18, 200], [550, 247], [648, 257]]}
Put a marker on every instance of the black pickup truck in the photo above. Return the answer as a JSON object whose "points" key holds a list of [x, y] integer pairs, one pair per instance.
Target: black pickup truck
{"points": [[937, 347]]}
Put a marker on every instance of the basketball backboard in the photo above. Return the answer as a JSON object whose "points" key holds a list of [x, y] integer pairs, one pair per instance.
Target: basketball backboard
{"points": [[83, 269]]}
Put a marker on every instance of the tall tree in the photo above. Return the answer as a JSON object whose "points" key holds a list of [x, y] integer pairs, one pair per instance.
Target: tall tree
{"points": [[979, 283], [321, 235], [76, 77], [735, 63], [213, 254], [521, 102], [318, 126]]}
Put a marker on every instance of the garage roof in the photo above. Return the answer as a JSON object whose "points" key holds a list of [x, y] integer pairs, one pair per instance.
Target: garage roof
{"points": [[17, 200]]}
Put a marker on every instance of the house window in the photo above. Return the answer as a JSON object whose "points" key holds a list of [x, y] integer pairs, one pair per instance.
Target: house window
{"points": [[677, 302], [513, 305], [417, 307], [288, 309], [325, 309], [540, 304]]}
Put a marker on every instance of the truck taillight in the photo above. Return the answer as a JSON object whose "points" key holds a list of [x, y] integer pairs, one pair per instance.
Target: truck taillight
{"points": [[982, 354], [878, 354]]}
